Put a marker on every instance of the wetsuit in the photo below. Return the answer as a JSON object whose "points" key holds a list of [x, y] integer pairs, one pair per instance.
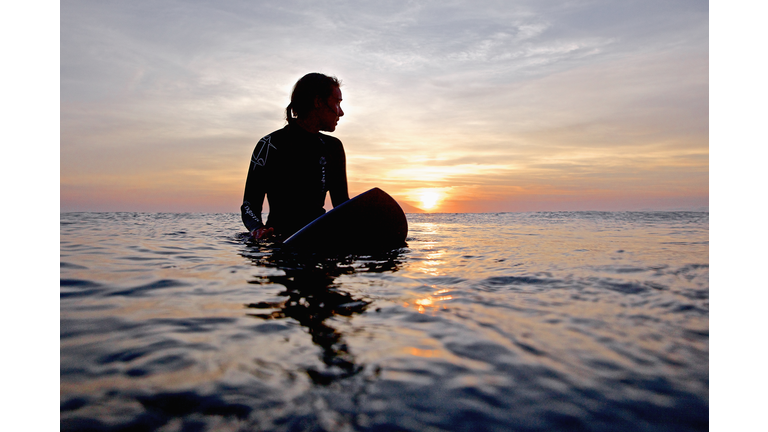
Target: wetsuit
{"points": [[294, 169]]}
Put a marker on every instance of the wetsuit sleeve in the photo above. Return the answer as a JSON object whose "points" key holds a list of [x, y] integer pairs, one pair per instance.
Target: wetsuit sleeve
{"points": [[338, 185], [255, 188]]}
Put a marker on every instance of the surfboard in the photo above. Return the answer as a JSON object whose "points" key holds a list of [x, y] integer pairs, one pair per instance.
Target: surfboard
{"points": [[370, 222]]}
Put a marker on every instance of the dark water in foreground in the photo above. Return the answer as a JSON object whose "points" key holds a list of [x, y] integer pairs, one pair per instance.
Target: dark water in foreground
{"points": [[485, 322]]}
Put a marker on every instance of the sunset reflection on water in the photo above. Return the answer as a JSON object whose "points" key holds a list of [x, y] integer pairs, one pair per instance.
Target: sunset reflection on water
{"points": [[180, 322], [430, 302]]}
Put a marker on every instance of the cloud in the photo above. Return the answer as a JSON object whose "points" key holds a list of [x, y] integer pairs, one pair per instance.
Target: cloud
{"points": [[478, 94]]}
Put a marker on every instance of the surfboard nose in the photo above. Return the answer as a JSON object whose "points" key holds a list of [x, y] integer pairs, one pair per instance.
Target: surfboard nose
{"points": [[371, 221]]}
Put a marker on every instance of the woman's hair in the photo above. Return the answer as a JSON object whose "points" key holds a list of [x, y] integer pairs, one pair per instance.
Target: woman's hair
{"points": [[310, 86]]}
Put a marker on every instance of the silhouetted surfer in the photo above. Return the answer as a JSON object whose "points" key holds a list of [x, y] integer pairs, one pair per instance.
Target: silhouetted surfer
{"points": [[295, 166]]}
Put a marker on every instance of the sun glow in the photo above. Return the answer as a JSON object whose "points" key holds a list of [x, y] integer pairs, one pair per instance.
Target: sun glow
{"points": [[429, 199]]}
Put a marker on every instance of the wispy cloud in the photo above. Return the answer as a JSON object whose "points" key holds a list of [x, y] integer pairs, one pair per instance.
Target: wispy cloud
{"points": [[517, 96]]}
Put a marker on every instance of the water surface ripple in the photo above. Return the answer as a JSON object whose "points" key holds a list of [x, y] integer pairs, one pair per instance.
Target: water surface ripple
{"points": [[588, 321]]}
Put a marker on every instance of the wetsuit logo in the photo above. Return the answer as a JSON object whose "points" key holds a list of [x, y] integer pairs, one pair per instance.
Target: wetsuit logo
{"points": [[260, 159], [322, 170], [246, 207]]}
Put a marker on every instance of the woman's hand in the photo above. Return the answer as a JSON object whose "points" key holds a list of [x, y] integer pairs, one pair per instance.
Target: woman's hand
{"points": [[262, 233]]}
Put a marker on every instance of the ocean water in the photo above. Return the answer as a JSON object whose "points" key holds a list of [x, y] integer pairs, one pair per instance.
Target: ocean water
{"points": [[566, 321]]}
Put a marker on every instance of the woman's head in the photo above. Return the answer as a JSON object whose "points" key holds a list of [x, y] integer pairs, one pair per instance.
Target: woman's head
{"points": [[310, 88]]}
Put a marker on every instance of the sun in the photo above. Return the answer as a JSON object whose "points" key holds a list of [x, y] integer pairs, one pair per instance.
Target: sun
{"points": [[429, 199]]}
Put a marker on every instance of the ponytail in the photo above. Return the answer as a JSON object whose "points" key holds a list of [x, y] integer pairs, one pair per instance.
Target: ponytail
{"points": [[289, 115]]}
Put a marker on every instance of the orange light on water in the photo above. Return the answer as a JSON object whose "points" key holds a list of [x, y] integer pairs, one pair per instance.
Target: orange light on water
{"points": [[430, 302], [423, 352]]}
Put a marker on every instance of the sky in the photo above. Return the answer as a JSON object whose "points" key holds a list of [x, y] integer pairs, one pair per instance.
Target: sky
{"points": [[450, 106]]}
